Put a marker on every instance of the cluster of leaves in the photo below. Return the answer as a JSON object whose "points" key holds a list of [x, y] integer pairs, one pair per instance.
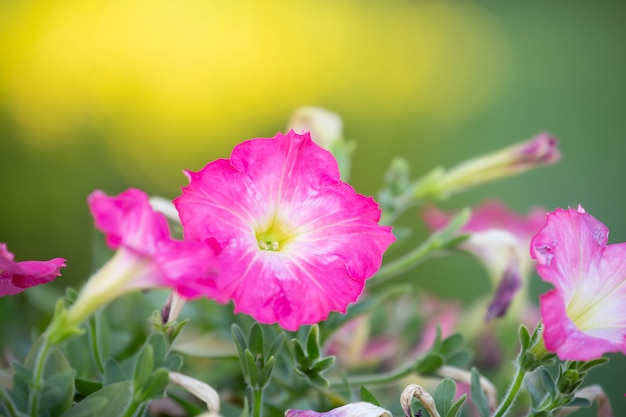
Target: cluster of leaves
{"points": [[120, 386]]}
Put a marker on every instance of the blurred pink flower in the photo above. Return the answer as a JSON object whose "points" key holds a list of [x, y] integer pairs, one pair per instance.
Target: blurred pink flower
{"points": [[358, 409], [584, 316], [146, 256], [15, 277], [499, 238], [297, 243]]}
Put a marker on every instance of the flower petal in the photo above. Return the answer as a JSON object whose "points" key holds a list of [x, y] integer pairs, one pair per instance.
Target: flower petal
{"points": [[15, 277]]}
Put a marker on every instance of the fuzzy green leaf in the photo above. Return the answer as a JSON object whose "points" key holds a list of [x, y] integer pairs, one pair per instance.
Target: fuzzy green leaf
{"points": [[478, 396], [444, 396], [110, 401]]}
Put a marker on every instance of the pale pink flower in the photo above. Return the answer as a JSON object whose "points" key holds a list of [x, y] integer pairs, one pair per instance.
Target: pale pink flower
{"points": [[499, 238], [358, 409], [297, 243], [584, 316], [146, 255], [15, 277]]}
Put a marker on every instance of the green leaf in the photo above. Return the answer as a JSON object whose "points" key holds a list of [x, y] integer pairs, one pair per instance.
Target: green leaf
{"points": [[548, 383], [456, 407], [451, 344], [429, 363], [313, 343], [144, 365], [444, 396], [85, 387], [478, 396], [367, 396], [536, 392], [173, 362], [524, 337], [459, 359], [154, 387], [110, 401], [113, 372], [159, 348]]}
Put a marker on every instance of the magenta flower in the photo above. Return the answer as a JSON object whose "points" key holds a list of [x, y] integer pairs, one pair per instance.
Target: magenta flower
{"points": [[358, 409], [15, 277], [584, 316], [297, 243], [499, 238], [146, 256]]}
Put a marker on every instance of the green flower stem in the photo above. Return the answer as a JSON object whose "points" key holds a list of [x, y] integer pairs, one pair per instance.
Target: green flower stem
{"points": [[376, 379], [38, 371], [511, 394], [403, 264], [7, 403], [257, 401], [93, 341]]}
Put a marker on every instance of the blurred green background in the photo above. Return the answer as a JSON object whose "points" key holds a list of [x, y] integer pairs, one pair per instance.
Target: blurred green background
{"points": [[118, 94]]}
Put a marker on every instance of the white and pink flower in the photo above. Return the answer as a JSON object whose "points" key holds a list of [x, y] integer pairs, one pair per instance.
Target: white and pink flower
{"points": [[499, 238], [584, 316], [296, 242], [146, 255]]}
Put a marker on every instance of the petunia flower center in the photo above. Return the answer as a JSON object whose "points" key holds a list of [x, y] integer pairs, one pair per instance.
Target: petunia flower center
{"points": [[274, 235]]}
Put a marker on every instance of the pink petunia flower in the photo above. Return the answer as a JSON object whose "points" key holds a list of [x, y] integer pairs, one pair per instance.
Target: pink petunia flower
{"points": [[15, 277], [499, 238], [358, 409], [297, 243], [146, 255], [584, 316]]}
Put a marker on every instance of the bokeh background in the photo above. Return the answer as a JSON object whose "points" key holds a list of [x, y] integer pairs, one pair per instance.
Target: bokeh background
{"points": [[118, 94]]}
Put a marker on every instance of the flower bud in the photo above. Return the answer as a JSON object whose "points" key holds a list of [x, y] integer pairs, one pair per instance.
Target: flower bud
{"points": [[324, 126], [539, 151]]}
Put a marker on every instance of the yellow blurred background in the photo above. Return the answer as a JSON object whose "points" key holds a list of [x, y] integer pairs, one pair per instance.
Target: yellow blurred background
{"points": [[117, 94]]}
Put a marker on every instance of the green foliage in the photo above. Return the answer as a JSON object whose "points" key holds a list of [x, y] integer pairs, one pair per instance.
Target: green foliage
{"points": [[309, 362], [444, 399], [256, 360]]}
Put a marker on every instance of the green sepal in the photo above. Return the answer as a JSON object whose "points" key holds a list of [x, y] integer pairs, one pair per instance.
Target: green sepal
{"points": [[256, 339], [524, 337], [313, 343], [323, 364], [478, 396], [252, 369], [266, 371]]}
